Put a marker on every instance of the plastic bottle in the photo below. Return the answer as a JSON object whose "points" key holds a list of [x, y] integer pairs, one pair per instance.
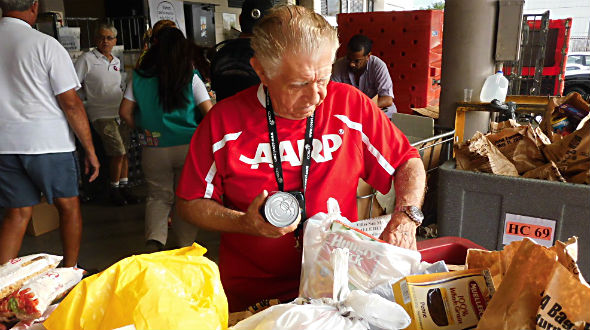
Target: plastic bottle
{"points": [[495, 87]]}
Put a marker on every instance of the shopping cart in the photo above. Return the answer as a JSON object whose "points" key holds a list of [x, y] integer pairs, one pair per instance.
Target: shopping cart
{"points": [[437, 149], [434, 151]]}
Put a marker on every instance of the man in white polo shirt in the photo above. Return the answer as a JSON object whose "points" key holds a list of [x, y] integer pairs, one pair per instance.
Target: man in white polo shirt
{"points": [[39, 109], [99, 72]]}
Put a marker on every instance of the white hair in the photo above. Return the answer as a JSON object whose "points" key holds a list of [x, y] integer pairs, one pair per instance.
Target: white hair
{"points": [[16, 5], [105, 26], [292, 30]]}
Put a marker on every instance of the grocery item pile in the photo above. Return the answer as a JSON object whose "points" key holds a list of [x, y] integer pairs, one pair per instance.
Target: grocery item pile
{"points": [[28, 286], [386, 287], [349, 280], [175, 289], [557, 150]]}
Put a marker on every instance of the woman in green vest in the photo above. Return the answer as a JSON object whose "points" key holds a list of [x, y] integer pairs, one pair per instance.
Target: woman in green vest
{"points": [[166, 100]]}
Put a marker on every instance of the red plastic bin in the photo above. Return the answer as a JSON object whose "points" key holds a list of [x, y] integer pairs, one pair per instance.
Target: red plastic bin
{"points": [[451, 249]]}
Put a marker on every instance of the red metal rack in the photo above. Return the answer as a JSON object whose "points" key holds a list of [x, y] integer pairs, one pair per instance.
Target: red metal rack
{"points": [[410, 43]]}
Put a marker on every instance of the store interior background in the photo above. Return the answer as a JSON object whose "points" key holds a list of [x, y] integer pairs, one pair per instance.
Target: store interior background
{"points": [[111, 233]]}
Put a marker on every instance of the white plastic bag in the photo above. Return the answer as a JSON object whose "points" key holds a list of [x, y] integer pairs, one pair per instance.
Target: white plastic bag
{"points": [[33, 298], [371, 262], [354, 310], [17, 271]]}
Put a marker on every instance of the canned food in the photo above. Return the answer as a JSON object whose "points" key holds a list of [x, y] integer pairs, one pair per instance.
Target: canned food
{"points": [[572, 112], [561, 125], [281, 209]]}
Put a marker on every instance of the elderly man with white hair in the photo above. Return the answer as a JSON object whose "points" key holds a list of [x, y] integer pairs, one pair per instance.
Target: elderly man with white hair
{"points": [[256, 141], [99, 72]]}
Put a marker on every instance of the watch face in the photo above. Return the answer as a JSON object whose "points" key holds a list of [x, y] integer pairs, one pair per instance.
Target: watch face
{"points": [[415, 213]]}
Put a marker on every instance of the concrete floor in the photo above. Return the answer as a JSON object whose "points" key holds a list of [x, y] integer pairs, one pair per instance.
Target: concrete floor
{"points": [[110, 233]]}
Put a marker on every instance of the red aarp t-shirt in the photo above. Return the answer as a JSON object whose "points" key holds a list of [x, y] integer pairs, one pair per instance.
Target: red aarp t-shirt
{"points": [[230, 161]]}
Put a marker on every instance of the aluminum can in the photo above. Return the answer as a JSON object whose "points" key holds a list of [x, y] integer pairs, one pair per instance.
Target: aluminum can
{"points": [[281, 209]]}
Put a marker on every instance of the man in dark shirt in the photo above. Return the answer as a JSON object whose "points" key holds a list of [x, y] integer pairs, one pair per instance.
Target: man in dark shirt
{"points": [[230, 69]]}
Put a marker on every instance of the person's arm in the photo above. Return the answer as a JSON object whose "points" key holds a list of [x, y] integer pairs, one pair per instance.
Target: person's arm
{"points": [[383, 83], [81, 68], [75, 114], [201, 95], [384, 101], [126, 112], [410, 185], [210, 215], [205, 106]]}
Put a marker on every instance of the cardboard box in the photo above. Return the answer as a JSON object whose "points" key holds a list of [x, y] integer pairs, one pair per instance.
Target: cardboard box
{"points": [[367, 204], [45, 219], [445, 301]]}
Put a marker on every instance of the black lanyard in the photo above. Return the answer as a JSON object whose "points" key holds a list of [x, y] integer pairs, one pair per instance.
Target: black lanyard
{"points": [[274, 146]]}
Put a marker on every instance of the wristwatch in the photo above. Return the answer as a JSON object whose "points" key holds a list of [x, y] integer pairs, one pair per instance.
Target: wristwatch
{"points": [[413, 212]]}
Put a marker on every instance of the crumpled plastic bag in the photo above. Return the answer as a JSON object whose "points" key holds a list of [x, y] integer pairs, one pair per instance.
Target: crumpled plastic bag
{"points": [[371, 262], [354, 310], [177, 289]]}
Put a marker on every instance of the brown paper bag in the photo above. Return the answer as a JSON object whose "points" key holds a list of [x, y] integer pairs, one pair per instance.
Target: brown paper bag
{"points": [[572, 154], [574, 99], [517, 299], [541, 139], [546, 172], [496, 261], [519, 145], [480, 155], [567, 255], [497, 127], [515, 303], [499, 261], [564, 303]]}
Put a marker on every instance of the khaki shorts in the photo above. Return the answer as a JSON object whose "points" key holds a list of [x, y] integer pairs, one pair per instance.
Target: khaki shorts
{"points": [[114, 136]]}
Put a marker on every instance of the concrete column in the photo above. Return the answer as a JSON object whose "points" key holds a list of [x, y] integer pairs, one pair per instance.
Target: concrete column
{"points": [[469, 37]]}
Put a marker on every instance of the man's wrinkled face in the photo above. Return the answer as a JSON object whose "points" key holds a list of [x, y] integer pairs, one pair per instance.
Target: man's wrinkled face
{"points": [[300, 84], [357, 61], [105, 41]]}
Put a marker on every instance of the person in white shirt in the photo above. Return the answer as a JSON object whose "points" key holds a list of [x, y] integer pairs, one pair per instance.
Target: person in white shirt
{"points": [[99, 72], [39, 112]]}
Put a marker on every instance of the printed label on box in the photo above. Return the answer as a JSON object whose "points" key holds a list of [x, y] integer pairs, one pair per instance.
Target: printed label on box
{"points": [[517, 227]]}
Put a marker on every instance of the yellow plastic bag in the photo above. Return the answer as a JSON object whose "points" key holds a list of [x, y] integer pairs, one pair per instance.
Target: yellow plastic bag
{"points": [[178, 289]]}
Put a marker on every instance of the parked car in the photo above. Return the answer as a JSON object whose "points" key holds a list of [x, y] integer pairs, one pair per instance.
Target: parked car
{"points": [[582, 58], [578, 81], [575, 68]]}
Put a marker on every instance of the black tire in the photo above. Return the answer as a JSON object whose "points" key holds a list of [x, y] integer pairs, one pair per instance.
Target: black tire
{"points": [[584, 91]]}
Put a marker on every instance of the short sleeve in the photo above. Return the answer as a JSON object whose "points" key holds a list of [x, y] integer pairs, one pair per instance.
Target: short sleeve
{"points": [[388, 148], [129, 92], [81, 67], [383, 79], [62, 75], [199, 90], [200, 177], [339, 70]]}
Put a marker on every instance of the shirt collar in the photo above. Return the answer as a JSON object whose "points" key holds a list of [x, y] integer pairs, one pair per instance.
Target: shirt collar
{"points": [[15, 20], [261, 95], [98, 54]]}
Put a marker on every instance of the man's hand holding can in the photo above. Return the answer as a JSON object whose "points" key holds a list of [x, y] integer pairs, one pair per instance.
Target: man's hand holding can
{"points": [[255, 224]]}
